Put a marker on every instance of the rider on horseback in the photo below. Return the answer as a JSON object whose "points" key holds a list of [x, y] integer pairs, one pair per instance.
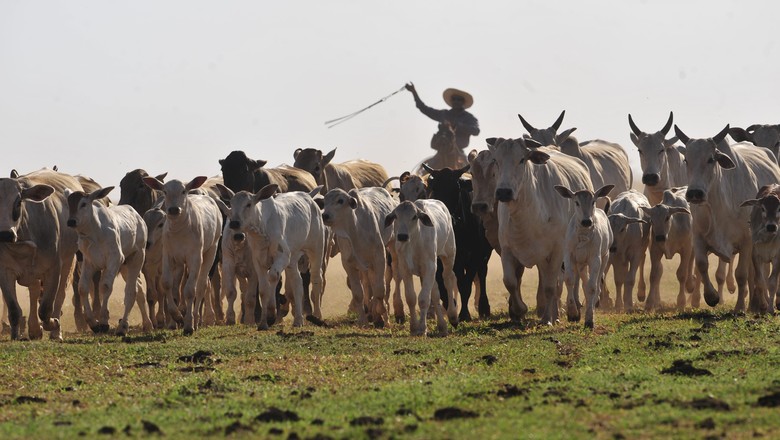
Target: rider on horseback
{"points": [[464, 123]]}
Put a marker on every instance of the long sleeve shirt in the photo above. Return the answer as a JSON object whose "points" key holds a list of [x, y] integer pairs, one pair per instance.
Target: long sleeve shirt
{"points": [[466, 125]]}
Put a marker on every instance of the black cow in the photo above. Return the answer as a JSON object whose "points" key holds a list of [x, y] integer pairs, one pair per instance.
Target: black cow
{"points": [[473, 249]]}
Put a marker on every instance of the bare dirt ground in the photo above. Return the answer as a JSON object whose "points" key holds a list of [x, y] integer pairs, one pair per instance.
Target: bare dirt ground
{"points": [[337, 295]]}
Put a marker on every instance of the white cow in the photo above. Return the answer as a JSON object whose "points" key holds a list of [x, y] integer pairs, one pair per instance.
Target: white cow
{"points": [[154, 219], [764, 219], [532, 218], [37, 249], [671, 233], [586, 250], [720, 178], [190, 239], [423, 232], [631, 237], [112, 240], [280, 229], [356, 219]]}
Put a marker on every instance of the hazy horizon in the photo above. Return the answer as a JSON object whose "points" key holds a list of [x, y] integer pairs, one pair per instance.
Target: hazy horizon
{"points": [[100, 88]]}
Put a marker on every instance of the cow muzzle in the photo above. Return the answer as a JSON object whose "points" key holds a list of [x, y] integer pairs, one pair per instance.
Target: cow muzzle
{"points": [[651, 179], [660, 238], [239, 237], [504, 194], [586, 222], [7, 237], [174, 211], [234, 224], [695, 196], [771, 227], [326, 218], [149, 244], [71, 223], [403, 237]]}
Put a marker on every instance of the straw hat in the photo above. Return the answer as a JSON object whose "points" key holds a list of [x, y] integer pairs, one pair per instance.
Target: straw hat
{"points": [[449, 93]]}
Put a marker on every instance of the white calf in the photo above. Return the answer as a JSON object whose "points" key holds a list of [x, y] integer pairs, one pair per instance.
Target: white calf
{"points": [[630, 241], [423, 232], [112, 240], [190, 238], [586, 250]]}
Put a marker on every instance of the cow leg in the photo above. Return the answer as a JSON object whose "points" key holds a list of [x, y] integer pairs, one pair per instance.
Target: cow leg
{"points": [[656, 272], [395, 274], [692, 284], [411, 301], [293, 277], [571, 279], [451, 283], [628, 288], [772, 282], [641, 289], [595, 271], [548, 278], [512, 277], [305, 273], [357, 293], [106, 288], [15, 318], [188, 296], [427, 278], [484, 303], [741, 273], [317, 280], [48, 313], [215, 279], [440, 283], [229, 287], [720, 277], [605, 302], [172, 277], [85, 284], [730, 278], [619, 273], [33, 325], [78, 310], [682, 276], [140, 298], [6, 327]]}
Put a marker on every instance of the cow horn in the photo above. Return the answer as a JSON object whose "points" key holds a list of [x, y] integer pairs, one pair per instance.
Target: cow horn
{"points": [[427, 167], [557, 124], [633, 126], [527, 126], [722, 135], [390, 180], [680, 135], [463, 170], [668, 124]]}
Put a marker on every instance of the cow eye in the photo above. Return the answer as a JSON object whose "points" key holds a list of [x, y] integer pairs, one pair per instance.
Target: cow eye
{"points": [[711, 160], [83, 204], [661, 151], [414, 217], [340, 202], [160, 225], [183, 192], [576, 203], [667, 218]]}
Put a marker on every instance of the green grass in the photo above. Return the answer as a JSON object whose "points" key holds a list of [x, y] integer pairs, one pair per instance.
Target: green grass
{"points": [[537, 382]]}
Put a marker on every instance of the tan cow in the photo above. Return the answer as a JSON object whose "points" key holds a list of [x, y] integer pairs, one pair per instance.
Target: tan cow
{"points": [[720, 178], [764, 219], [346, 175], [532, 218]]}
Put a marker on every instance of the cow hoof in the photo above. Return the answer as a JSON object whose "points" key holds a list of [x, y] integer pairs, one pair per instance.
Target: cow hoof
{"points": [[35, 333], [271, 321], [711, 298], [465, 317], [484, 314], [379, 323], [400, 319], [589, 325], [188, 332], [454, 323]]}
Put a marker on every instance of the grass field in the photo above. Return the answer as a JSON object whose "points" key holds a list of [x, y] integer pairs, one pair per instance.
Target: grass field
{"points": [[698, 374]]}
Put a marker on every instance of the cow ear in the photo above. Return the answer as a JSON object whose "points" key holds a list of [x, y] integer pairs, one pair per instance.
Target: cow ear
{"points": [[472, 155], [265, 192], [425, 219], [751, 202], [161, 177], [739, 134], [564, 192], [724, 161], [538, 157], [682, 150], [669, 143], [37, 193], [153, 183], [297, 152], [389, 219], [404, 176], [316, 191], [634, 139], [328, 157], [225, 192], [195, 183], [320, 202], [531, 144], [462, 170], [491, 142], [353, 202], [223, 207], [604, 191], [99, 194], [630, 220], [14, 174], [254, 165], [678, 210], [646, 209]]}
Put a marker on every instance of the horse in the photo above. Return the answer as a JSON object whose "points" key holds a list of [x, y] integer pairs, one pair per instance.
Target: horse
{"points": [[448, 155]]}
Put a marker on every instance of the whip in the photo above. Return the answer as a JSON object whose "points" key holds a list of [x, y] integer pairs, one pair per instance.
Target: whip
{"points": [[334, 122]]}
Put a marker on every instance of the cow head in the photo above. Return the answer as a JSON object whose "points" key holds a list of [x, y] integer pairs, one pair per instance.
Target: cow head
{"points": [[238, 171], [483, 181], [444, 139], [175, 191], [653, 149], [408, 218], [762, 135], [155, 220], [134, 192], [445, 185], [584, 202], [339, 204], [12, 200], [660, 217], [766, 210], [549, 135], [312, 160], [703, 161], [243, 215], [514, 159], [413, 187], [80, 208]]}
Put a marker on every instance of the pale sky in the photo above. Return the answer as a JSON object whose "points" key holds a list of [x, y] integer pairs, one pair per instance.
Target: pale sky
{"points": [[103, 87]]}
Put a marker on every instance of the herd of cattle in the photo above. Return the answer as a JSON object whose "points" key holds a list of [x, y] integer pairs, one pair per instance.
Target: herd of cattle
{"points": [[544, 200]]}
